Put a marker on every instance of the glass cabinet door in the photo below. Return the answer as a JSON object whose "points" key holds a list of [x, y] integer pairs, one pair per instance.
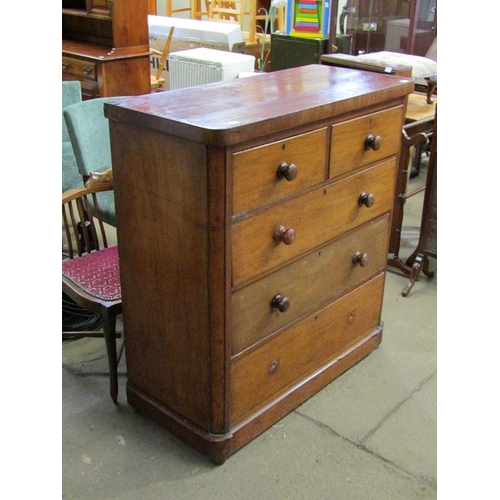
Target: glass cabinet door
{"points": [[363, 26]]}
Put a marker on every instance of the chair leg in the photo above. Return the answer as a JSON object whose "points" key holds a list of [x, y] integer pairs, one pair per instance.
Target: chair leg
{"points": [[109, 327], [431, 86]]}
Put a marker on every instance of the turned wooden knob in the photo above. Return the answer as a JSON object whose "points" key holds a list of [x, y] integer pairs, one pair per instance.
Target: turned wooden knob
{"points": [[285, 171], [373, 142], [284, 235], [281, 303], [273, 366], [366, 199], [360, 259]]}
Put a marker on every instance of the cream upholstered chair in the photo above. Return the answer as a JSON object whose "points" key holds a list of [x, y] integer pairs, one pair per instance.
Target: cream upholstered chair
{"points": [[421, 68]]}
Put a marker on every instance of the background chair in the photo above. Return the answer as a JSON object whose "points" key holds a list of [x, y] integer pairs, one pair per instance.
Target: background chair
{"points": [[73, 316], [90, 269], [422, 68], [71, 178], [88, 130], [192, 6], [157, 80]]}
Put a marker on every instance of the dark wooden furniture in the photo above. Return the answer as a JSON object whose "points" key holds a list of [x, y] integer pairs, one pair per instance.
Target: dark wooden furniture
{"points": [[152, 7], [291, 51], [418, 130], [256, 272], [427, 243], [105, 45], [90, 270], [363, 26]]}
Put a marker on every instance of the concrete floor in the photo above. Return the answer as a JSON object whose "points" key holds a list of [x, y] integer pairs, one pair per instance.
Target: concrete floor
{"points": [[371, 434]]}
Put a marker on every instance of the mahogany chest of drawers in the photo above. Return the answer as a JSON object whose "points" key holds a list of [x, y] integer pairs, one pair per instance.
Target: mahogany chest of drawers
{"points": [[253, 225]]}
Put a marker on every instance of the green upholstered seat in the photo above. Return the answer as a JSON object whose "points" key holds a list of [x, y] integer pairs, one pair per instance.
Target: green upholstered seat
{"points": [[71, 178], [88, 130]]}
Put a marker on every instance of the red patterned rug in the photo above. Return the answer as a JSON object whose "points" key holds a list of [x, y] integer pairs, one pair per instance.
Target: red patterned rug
{"points": [[97, 273]]}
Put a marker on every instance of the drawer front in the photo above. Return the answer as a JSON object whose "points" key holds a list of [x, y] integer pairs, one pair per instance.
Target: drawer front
{"points": [[267, 173], [281, 363], [354, 143], [79, 68], [269, 304], [89, 89], [314, 218]]}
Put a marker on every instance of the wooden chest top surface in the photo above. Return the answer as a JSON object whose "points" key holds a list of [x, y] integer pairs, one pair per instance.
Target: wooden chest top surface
{"points": [[229, 112]]}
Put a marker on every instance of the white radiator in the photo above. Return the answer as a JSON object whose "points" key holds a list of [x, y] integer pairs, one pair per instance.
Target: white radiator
{"points": [[192, 67]]}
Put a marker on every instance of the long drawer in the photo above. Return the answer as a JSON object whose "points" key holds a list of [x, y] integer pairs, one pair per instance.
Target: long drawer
{"points": [[285, 360], [284, 232], [267, 173], [269, 304], [361, 141], [79, 68]]}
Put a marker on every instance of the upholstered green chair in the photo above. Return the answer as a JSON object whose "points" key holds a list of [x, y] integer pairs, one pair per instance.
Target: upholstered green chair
{"points": [[88, 130], [71, 178]]}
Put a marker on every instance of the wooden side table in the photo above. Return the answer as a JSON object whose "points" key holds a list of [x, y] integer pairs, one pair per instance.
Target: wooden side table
{"points": [[427, 243], [417, 131]]}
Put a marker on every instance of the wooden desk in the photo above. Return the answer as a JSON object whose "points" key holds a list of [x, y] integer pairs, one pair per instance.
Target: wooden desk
{"points": [[259, 209]]}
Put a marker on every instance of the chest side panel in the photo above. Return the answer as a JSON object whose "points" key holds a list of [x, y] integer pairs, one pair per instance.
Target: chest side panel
{"points": [[161, 198]]}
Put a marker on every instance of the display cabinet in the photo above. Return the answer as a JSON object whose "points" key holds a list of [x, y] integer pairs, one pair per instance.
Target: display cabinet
{"points": [[105, 45], [363, 26]]}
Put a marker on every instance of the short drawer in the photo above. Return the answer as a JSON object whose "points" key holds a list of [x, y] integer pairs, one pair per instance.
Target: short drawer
{"points": [[278, 365], [267, 173], [79, 68], [269, 304], [364, 140], [294, 227]]}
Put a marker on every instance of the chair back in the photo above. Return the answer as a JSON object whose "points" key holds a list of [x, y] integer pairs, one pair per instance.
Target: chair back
{"points": [[71, 94], [88, 129], [83, 223], [89, 133], [71, 178]]}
